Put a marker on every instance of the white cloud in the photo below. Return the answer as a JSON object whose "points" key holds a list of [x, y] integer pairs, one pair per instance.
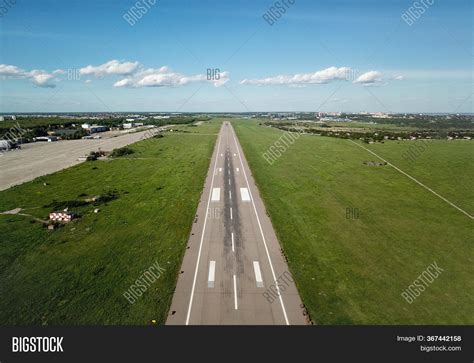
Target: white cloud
{"points": [[338, 100], [370, 78], [8, 70], [127, 82], [398, 78], [113, 67], [165, 77], [224, 77], [319, 77], [135, 75], [40, 78]]}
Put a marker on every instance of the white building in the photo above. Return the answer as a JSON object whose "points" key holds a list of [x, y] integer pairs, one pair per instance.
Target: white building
{"points": [[132, 124]]}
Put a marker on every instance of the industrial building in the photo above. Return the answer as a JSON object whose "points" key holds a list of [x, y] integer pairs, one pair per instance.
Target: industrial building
{"points": [[94, 128], [132, 125]]}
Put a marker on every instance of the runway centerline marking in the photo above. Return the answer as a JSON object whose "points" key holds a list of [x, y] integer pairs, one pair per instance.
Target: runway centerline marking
{"points": [[237, 169], [230, 212], [202, 238], [258, 274], [232, 236], [236, 306], [261, 232], [230, 194], [212, 273]]}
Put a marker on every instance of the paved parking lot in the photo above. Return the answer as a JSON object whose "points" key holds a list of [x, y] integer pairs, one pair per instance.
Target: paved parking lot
{"points": [[41, 158]]}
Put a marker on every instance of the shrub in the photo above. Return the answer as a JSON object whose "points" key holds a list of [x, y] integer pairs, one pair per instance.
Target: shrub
{"points": [[121, 152]]}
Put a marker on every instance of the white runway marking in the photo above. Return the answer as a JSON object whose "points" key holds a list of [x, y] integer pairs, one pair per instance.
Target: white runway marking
{"points": [[236, 306], [229, 181], [222, 154], [237, 169], [188, 316], [228, 171], [235, 154], [416, 181], [233, 247], [230, 212], [220, 169], [244, 193], [258, 274], [263, 236], [216, 194], [230, 194], [212, 272]]}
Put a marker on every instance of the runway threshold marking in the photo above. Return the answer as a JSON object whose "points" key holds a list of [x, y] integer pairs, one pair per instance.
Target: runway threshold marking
{"points": [[261, 232], [258, 274], [216, 194], [236, 305], [202, 238], [212, 273]]}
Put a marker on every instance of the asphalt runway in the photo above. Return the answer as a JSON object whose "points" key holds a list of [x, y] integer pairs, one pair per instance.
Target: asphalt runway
{"points": [[233, 271]]}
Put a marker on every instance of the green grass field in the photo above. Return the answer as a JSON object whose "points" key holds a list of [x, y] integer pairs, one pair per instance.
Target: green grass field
{"points": [[353, 271], [77, 274]]}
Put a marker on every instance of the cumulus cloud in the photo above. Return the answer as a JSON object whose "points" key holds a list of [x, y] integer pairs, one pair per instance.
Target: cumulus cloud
{"points": [[370, 78], [319, 77], [135, 75], [165, 77], [42, 78], [113, 67], [8, 70], [39, 77]]}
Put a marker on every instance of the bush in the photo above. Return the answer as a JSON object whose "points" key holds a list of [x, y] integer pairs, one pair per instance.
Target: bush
{"points": [[92, 156], [121, 152]]}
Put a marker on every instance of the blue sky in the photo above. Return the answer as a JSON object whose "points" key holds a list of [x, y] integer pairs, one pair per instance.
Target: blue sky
{"points": [[319, 56]]}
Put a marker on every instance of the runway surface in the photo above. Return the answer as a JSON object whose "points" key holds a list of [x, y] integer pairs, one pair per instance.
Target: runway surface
{"points": [[233, 271]]}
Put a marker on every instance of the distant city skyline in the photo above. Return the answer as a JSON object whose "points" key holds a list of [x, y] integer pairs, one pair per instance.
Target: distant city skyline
{"points": [[184, 56]]}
